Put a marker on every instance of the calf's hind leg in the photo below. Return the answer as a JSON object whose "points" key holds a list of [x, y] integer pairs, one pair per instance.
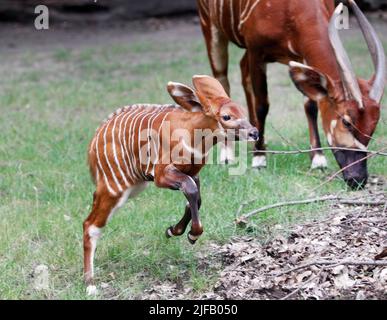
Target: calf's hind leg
{"points": [[104, 206]]}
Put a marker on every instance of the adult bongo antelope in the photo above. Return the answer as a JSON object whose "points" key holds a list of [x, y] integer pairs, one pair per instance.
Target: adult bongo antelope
{"points": [[302, 34], [134, 147]]}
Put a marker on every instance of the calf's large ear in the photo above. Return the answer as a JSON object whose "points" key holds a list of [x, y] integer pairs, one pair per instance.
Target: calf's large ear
{"points": [[312, 83], [184, 96], [210, 92]]}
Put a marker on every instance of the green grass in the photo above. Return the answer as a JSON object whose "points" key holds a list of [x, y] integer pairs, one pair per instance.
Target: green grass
{"points": [[52, 101]]}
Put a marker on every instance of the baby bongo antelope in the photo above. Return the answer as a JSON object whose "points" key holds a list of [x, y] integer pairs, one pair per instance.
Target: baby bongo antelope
{"points": [[143, 143]]}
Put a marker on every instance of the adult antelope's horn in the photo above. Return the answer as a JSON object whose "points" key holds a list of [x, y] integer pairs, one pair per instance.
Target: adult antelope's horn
{"points": [[349, 76], [377, 52]]}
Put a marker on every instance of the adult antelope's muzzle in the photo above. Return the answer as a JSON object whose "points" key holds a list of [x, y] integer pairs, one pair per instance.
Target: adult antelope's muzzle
{"points": [[355, 175]]}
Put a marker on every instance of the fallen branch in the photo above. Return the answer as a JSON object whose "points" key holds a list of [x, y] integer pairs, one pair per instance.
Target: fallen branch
{"points": [[283, 204], [362, 203], [327, 264], [302, 286], [381, 255], [242, 219], [301, 151]]}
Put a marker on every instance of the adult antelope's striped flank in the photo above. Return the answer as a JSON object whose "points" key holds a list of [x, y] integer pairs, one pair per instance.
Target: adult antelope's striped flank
{"points": [[131, 149]]}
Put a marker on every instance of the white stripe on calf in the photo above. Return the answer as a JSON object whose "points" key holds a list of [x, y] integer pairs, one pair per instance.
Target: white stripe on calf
{"points": [[122, 116], [150, 127], [245, 9], [154, 142], [138, 109], [126, 143], [141, 115], [205, 9], [158, 146], [107, 159], [149, 115], [110, 189], [115, 153]]}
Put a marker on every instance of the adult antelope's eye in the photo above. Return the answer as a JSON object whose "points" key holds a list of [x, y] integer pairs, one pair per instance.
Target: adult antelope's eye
{"points": [[226, 117], [347, 124]]}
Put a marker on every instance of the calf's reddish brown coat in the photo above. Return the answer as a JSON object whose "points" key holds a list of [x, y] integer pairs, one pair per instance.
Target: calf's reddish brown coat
{"points": [[132, 148]]}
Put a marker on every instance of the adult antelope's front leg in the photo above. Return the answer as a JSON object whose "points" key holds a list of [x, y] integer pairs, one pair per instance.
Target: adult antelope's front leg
{"points": [[318, 159], [255, 84], [170, 177]]}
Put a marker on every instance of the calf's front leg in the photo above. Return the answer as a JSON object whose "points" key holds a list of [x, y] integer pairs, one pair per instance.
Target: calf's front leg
{"points": [[179, 228], [170, 177]]}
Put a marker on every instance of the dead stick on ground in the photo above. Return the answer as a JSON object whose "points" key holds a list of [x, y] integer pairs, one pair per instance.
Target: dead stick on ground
{"points": [[290, 152], [302, 286], [381, 255], [283, 204], [339, 200], [334, 264]]}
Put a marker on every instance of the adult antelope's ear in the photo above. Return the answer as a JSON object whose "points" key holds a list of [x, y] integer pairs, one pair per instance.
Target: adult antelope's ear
{"points": [[309, 81], [184, 96], [210, 93]]}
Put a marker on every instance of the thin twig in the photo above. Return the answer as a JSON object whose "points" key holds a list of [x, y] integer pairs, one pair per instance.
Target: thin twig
{"points": [[287, 152], [302, 286], [361, 203], [283, 204], [335, 263], [339, 200], [381, 255]]}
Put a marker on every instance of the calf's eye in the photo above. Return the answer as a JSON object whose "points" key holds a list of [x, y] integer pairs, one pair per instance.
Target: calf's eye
{"points": [[226, 117]]}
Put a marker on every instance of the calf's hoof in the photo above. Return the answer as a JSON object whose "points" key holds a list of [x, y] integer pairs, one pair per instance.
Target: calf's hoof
{"points": [[91, 290], [169, 233], [192, 239]]}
